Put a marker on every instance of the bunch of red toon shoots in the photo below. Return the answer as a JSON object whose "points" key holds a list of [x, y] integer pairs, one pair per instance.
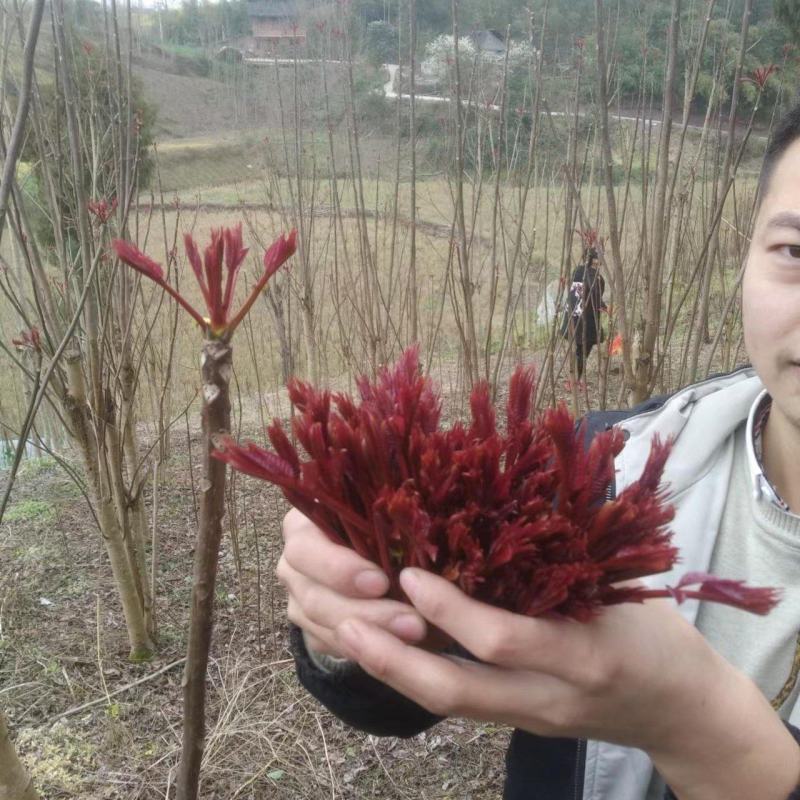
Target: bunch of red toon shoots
{"points": [[519, 519]]}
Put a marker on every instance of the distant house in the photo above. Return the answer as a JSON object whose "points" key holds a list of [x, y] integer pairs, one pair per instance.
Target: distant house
{"points": [[488, 42], [275, 24]]}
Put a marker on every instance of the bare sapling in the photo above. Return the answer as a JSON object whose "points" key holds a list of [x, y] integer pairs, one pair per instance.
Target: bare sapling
{"points": [[216, 272]]}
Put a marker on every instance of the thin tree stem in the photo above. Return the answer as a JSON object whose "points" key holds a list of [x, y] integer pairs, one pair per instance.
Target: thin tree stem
{"points": [[216, 375]]}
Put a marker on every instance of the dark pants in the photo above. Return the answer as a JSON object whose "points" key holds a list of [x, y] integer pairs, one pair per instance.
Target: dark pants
{"points": [[582, 350]]}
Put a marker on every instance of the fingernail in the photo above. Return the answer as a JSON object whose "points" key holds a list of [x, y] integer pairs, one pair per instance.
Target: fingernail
{"points": [[409, 582], [349, 637], [371, 581], [407, 626]]}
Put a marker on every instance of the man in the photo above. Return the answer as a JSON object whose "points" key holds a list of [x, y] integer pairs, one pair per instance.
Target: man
{"points": [[701, 698]]}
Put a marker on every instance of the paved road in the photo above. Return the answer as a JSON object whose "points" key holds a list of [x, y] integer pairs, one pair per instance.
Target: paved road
{"points": [[390, 92]]}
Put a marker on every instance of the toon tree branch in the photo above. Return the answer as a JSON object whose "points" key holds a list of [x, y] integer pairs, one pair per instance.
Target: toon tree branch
{"points": [[18, 131], [216, 373]]}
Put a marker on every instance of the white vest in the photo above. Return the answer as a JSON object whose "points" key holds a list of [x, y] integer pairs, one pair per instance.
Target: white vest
{"points": [[702, 420]]}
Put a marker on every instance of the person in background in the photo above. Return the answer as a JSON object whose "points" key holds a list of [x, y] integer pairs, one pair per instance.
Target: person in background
{"points": [[585, 302]]}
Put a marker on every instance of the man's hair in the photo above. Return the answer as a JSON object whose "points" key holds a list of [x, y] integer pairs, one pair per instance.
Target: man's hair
{"points": [[785, 132]]}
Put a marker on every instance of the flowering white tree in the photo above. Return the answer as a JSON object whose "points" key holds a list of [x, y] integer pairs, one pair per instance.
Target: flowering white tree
{"points": [[439, 61], [440, 56], [521, 55]]}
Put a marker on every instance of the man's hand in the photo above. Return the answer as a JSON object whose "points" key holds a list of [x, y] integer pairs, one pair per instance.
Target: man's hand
{"points": [[328, 583], [603, 679], [638, 675]]}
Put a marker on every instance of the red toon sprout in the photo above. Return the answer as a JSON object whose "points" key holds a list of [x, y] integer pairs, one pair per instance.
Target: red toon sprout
{"points": [[590, 237], [760, 75], [215, 271], [102, 209], [29, 340], [518, 518]]}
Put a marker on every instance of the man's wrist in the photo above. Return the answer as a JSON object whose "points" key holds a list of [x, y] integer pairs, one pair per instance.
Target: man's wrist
{"points": [[325, 661], [733, 747]]}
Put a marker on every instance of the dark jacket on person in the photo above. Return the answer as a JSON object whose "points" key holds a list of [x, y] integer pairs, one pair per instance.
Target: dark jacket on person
{"points": [[542, 768], [581, 320]]}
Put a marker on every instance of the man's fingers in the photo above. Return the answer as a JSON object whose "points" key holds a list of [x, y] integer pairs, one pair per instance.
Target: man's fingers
{"points": [[316, 644], [309, 551], [319, 639], [491, 634], [450, 686], [326, 608], [432, 681], [294, 522]]}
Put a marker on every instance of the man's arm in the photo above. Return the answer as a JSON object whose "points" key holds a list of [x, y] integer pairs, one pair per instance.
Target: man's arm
{"points": [[737, 747], [795, 795], [637, 675]]}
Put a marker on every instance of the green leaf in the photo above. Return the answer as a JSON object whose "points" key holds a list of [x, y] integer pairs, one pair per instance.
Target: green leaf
{"points": [[276, 774]]}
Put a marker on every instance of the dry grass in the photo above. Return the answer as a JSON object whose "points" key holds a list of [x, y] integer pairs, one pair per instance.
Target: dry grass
{"points": [[267, 737], [63, 644]]}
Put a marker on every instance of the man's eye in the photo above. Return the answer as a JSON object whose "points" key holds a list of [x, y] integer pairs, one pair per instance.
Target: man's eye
{"points": [[793, 250]]}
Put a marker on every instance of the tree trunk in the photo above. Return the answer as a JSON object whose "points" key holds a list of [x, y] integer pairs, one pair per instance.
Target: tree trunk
{"points": [[140, 642], [312, 356], [701, 332], [17, 138], [216, 361], [412, 143], [617, 273], [140, 529], [471, 365], [14, 781], [275, 299], [133, 516], [653, 273]]}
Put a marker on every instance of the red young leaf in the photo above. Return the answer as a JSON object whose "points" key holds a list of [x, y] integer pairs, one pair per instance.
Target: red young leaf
{"points": [[518, 519], [224, 252]]}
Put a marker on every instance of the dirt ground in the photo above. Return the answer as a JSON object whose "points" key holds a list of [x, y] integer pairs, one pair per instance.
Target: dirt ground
{"points": [[190, 105], [63, 644]]}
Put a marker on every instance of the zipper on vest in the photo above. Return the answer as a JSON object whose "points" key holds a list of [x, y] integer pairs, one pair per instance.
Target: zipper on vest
{"points": [[580, 769], [580, 756]]}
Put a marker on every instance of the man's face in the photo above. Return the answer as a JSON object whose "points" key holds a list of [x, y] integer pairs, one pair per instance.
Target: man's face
{"points": [[771, 288]]}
